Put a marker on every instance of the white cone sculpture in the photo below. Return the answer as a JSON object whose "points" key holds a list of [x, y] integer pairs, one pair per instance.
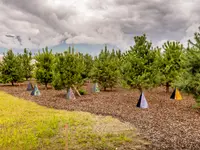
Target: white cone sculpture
{"points": [[142, 103], [70, 94]]}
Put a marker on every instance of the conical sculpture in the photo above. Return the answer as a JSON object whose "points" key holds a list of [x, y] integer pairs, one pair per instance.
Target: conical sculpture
{"points": [[70, 94], [95, 88], [176, 95], [142, 102], [35, 91], [29, 87]]}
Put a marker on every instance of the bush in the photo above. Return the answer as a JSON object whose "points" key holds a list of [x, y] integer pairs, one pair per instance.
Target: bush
{"points": [[44, 66], [105, 70], [67, 70], [139, 64], [11, 68], [82, 91]]}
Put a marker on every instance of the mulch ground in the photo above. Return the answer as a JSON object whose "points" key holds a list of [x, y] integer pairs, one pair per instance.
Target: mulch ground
{"points": [[168, 124]]}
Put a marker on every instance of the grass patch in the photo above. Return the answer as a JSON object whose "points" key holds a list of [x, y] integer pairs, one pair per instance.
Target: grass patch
{"points": [[24, 125]]}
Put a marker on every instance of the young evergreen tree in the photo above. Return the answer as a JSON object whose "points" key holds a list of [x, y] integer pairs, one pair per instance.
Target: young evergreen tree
{"points": [[190, 79], [105, 69], [26, 64], [44, 66], [139, 68], [119, 54], [67, 70], [171, 63], [88, 64], [196, 44], [11, 68]]}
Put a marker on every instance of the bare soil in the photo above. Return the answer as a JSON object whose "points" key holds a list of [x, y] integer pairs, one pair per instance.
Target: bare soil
{"points": [[167, 124]]}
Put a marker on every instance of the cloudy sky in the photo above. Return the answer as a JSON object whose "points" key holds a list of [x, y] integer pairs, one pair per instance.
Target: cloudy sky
{"points": [[38, 23]]}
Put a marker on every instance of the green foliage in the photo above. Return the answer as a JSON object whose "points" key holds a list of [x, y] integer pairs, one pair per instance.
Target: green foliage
{"points": [[82, 91], [88, 64], [119, 54], [105, 69], [197, 40], [139, 67], [171, 64], [11, 68], [27, 67], [189, 81], [44, 66], [67, 70], [190, 78]]}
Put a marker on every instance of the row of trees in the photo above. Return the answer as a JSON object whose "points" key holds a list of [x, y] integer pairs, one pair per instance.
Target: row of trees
{"points": [[16, 68], [142, 66]]}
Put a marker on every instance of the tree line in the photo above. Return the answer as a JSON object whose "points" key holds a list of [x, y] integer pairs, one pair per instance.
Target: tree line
{"points": [[142, 66]]}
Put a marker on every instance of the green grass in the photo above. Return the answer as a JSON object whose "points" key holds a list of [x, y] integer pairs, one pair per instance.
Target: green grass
{"points": [[24, 125]]}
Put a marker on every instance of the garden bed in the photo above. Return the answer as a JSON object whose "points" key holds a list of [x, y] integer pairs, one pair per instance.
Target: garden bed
{"points": [[167, 124]]}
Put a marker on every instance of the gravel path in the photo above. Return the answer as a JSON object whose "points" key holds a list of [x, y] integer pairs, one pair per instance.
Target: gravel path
{"points": [[167, 124]]}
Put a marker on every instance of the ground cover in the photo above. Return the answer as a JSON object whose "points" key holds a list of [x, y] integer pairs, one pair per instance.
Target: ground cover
{"points": [[167, 124], [25, 125]]}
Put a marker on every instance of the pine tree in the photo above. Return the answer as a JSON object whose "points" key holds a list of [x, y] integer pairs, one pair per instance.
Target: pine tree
{"points": [[67, 70], [44, 66], [197, 40], [119, 54], [105, 70], [26, 64], [171, 62], [11, 68], [88, 60], [190, 79], [139, 68]]}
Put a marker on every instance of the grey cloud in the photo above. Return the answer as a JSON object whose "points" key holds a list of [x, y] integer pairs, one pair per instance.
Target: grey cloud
{"points": [[19, 39], [10, 35], [39, 23], [51, 17], [160, 20]]}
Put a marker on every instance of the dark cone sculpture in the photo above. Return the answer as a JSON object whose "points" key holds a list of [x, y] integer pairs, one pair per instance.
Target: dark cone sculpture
{"points": [[29, 87]]}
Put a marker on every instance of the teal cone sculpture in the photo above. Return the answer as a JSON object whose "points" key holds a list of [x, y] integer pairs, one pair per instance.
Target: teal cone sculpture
{"points": [[35, 91]]}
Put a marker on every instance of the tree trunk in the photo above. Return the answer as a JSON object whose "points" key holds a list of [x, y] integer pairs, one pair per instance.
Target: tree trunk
{"points": [[167, 87], [104, 88], [46, 86], [140, 89], [12, 83]]}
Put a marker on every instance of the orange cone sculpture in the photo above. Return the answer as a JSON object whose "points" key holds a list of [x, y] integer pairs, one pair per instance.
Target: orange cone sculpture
{"points": [[176, 95]]}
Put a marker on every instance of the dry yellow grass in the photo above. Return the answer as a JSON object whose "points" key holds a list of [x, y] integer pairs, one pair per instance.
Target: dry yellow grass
{"points": [[25, 125]]}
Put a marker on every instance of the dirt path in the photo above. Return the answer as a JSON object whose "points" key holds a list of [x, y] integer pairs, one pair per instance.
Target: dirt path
{"points": [[168, 124]]}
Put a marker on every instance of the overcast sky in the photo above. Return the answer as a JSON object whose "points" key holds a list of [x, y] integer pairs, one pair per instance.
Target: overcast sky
{"points": [[39, 23]]}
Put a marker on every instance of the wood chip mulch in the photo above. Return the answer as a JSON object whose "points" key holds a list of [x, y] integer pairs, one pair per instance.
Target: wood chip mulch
{"points": [[167, 124]]}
